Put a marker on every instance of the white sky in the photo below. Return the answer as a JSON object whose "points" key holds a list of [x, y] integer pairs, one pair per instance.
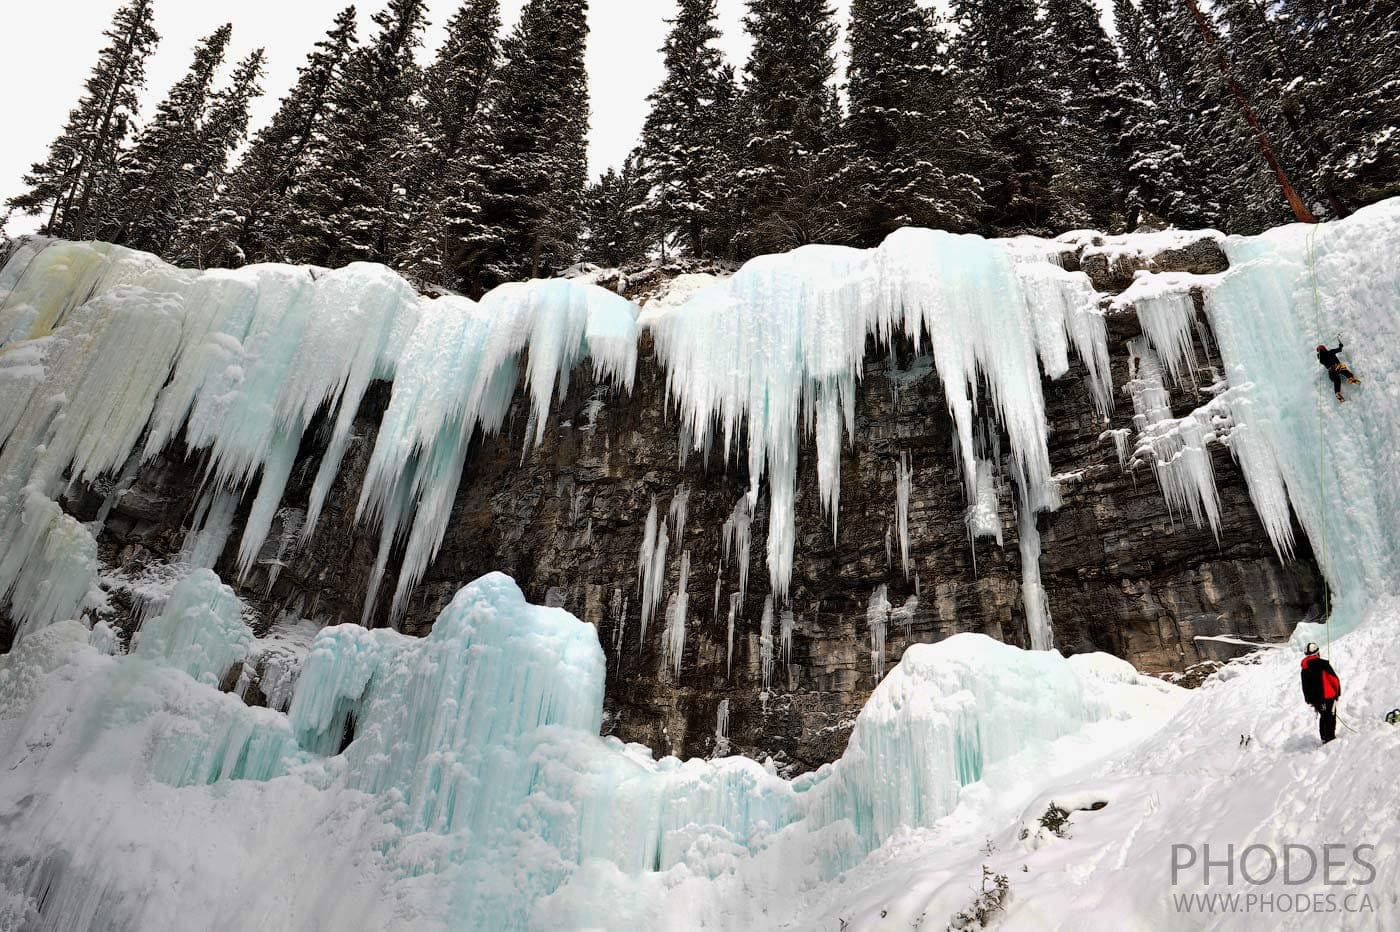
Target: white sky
{"points": [[48, 49]]}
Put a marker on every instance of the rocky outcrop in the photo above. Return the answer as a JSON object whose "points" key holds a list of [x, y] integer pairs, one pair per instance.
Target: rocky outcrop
{"points": [[566, 520], [1112, 270]]}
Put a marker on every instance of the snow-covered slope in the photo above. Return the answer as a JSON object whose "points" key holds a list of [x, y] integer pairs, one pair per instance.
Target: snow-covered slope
{"points": [[459, 781], [476, 792]]}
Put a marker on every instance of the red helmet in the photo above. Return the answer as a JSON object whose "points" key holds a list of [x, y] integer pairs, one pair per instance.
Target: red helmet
{"points": [[1321, 347]]}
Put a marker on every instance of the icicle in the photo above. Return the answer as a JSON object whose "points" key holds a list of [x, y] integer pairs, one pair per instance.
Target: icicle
{"points": [[786, 627], [765, 642], [651, 566], [673, 641], [617, 611], [735, 535], [1176, 448], [1167, 314], [903, 480], [877, 617], [211, 529], [984, 515], [735, 599], [680, 504], [1033, 598], [722, 729], [904, 615]]}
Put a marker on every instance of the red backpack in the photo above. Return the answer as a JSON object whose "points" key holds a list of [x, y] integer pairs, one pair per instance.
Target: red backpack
{"points": [[1331, 686]]}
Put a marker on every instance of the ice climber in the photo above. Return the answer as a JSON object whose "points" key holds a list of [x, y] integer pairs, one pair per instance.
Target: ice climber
{"points": [[1321, 690], [1336, 369]]}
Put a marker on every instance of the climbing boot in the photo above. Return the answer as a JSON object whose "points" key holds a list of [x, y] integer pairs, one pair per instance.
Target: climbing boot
{"points": [[1353, 380], [1340, 398]]}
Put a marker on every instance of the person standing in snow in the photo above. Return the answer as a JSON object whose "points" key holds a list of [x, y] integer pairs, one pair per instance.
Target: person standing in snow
{"points": [[1321, 690], [1336, 369]]}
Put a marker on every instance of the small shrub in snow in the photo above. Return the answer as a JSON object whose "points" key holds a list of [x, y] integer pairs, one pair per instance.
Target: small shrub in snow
{"points": [[996, 890]]}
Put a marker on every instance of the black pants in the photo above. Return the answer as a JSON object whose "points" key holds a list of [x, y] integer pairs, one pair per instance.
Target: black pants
{"points": [[1327, 719], [1338, 373]]}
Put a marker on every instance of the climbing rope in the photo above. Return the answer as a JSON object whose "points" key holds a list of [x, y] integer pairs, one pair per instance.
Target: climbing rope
{"points": [[1321, 433]]}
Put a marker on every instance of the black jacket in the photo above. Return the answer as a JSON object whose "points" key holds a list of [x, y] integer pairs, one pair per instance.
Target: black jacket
{"points": [[1328, 357], [1320, 681]]}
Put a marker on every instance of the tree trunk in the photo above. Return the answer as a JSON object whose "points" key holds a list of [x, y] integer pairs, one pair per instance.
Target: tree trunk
{"points": [[1261, 138]]}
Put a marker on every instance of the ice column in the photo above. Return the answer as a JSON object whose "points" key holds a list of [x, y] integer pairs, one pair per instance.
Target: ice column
{"points": [[904, 473], [673, 640], [877, 618]]}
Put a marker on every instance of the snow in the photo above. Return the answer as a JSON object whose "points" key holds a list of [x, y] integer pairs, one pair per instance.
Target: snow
{"points": [[474, 790], [459, 780]]}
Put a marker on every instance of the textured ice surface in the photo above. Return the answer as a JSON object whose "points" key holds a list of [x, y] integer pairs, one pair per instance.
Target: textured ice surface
{"points": [[462, 772], [108, 355], [459, 780], [1336, 465], [200, 630], [797, 325]]}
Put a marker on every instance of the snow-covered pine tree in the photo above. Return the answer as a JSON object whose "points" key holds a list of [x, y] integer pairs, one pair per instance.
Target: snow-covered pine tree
{"points": [[225, 127], [143, 210], [615, 226], [906, 150], [682, 148], [1347, 54], [789, 117], [1085, 66], [351, 204], [1242, 163], [1034, 179], [535, 160], [82, 162], [444, 175], [1165, 175], [247, 219]]}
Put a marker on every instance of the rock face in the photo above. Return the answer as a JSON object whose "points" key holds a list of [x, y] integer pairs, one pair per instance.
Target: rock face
{"points": [[567, 522]]}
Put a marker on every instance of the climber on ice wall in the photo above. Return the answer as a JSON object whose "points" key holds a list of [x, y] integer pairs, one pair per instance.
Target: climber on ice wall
{"points": [[1321, 690], [1336, 369]]}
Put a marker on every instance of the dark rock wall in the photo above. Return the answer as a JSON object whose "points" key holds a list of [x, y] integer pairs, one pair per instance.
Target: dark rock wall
{"points": [[566, 522]]}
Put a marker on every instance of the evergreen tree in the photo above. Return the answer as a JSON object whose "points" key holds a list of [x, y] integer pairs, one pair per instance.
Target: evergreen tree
{"points": [[1086, 68], [351, 203], [535, 160], [1165, 175], [1042, 165], [614, 229], [154, 176], [908, 155], [682, 150], [1234, 150], [728, 196], [1345, 99], [82, 161], [247, 218], [790, 118], [445, 176], [225, 127]]}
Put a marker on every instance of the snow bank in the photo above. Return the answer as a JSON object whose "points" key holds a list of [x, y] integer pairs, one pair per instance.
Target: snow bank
{"points": [[461, 774]]}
